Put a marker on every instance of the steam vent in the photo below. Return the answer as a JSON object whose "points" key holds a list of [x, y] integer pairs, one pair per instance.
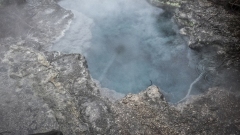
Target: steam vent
{"points": [[119, 67]]}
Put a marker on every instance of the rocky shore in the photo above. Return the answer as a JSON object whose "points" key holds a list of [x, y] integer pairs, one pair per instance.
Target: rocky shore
{"points": [[42, 90]]}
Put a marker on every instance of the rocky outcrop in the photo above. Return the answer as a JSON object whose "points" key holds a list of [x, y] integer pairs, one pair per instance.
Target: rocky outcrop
{"points": [[212, 27], [168, 3], [41, 90], [215, 29], [51, 87], [216, 112], [208, 25]]}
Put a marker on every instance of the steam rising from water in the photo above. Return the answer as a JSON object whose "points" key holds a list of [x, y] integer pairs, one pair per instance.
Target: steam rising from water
{"points": [[128, 44]]}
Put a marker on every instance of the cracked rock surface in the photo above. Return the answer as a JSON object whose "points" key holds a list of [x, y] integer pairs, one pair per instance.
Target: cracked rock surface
{"points": [[41, 91]]}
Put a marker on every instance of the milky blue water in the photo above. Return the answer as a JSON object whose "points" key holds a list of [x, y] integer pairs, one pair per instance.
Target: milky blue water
{"points": [[131, 45]]}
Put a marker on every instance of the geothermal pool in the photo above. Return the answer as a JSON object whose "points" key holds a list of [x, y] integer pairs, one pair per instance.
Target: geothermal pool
{"points": [[130, 45]]}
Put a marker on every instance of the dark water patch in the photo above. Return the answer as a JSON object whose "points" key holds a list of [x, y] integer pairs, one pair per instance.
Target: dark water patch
{"points": [[130, 45]]}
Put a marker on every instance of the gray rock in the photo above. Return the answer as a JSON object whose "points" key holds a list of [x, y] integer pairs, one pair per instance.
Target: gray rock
{"points": [[41, 90]]}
